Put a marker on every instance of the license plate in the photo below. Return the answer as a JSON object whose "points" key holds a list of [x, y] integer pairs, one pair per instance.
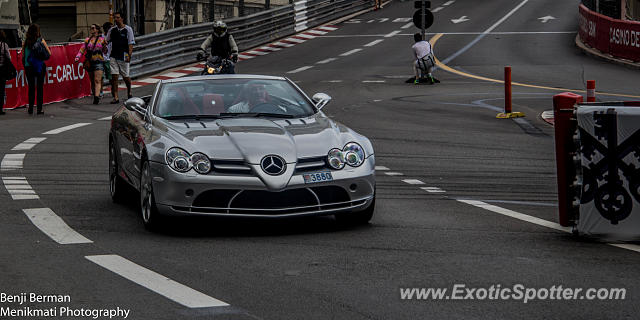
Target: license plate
{"points": [[317, 177]]}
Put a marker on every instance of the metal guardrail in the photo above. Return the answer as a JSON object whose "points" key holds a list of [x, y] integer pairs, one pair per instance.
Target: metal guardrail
{"points": [[171, 48]]}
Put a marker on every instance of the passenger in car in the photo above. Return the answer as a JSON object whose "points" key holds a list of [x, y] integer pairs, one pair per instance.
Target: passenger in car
{"points": [[251, 96]]}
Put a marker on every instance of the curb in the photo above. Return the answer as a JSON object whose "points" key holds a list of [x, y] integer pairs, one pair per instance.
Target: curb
{"points": [[604, 56]]}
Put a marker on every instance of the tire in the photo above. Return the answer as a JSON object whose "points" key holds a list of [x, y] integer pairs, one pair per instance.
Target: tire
{"points": [[357, 218], [117, 186], [151, 219]]}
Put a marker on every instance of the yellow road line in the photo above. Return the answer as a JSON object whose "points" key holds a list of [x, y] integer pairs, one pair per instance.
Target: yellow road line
{"points": [[468, 75]]}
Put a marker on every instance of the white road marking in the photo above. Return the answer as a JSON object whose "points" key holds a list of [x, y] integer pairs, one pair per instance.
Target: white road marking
{"points": [[333, 81], [546, 18], [173, 74], [317, 32], [283, 44], [412, 181], [373, 81], [243, 56], [373, 43], [156, 282], [459, 20], [306, 36], [12, 161], [402, 20], [408, 25], [391, 34], [478, 38], [433, 189], [448, 3], [516, 215], [67, 128], [105, 118], [327, 60], [394, 173], [28, 144], [54, 227], [300, 69], [377, 100], [437, 9], [381, 168], [327, 28], [384, 19], [150, 80], [194, 69], [18, 188], [295, 40], [269, 48], [350, 52], [258, 53]]}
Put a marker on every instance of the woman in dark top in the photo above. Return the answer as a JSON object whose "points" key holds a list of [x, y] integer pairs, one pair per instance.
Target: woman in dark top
{"points": [[35, 69]]}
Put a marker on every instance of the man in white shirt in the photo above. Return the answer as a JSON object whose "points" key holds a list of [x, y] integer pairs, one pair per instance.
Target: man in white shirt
{"points": [[423, 59]]}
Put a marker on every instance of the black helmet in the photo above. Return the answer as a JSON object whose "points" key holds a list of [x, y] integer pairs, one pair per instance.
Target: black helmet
{"points": [[219, 28]]}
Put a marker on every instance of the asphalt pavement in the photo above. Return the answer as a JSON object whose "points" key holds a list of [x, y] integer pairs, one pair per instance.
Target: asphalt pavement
{"points": [[462, 197]]}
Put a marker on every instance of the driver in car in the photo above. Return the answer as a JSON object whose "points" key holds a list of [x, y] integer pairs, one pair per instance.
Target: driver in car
{"points": [[254, 94]]}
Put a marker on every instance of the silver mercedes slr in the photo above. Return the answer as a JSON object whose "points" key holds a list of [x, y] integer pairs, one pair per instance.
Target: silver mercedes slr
{"points": [[240, 146]]}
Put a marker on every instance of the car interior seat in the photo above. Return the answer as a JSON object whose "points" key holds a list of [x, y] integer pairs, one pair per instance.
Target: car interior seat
{"points": [[212, 103]]}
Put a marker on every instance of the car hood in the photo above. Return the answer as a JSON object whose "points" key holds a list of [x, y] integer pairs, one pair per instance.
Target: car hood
{"points": [[251, 139]]}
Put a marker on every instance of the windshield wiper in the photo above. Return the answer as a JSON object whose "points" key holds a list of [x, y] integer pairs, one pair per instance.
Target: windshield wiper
{"points": [[255, 114], [193, 116]]}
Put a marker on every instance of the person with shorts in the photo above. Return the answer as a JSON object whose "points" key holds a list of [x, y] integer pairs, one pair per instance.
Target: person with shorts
{"points": [[121, 38], [93, 51]]}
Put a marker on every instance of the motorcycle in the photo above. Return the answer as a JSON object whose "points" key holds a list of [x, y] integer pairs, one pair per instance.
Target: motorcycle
{"points": [[216, 65]]}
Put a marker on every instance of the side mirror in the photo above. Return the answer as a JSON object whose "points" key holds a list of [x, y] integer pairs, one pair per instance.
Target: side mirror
{"points": [[321, 100], [136, 104]]}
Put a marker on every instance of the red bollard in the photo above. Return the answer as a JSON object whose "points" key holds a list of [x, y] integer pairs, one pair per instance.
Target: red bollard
{"points": [[563, 105], [591, 91], [507, 89]]}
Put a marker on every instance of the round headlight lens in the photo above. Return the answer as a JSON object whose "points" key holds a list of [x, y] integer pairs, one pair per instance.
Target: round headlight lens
{"points": [[353, 154], [201, 163], [335, 159], [178, 160]]}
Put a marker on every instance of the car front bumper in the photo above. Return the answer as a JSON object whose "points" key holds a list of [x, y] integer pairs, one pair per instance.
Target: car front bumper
{"points": [[232, 195]]}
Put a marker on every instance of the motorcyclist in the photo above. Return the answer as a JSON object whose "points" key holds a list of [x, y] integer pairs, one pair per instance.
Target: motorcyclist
{"points": [[221, 43]]}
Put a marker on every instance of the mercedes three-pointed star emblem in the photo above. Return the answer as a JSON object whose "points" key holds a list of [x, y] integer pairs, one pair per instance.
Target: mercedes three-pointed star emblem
{"points": [[273, 165]]}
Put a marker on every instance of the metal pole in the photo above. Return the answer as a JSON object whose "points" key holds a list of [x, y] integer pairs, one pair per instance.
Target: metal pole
{"points": [[212, 10], [110, 11], [267, 4], [424, 18], [241, 8], [176, 13]]}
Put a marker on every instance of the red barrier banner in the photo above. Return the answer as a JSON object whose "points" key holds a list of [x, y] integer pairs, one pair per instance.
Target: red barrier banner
{"points": [[588, 26], [65, 79], [624, 38]]}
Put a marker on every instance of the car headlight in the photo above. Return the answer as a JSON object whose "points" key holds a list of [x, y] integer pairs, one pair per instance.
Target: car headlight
{"points": [[201, 163], [210, 70], [353, 154], [178, 160], [335, 159]]}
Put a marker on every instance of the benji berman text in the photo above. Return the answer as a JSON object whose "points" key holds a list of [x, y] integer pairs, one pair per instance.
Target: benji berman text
{"points": [[33, 298]]}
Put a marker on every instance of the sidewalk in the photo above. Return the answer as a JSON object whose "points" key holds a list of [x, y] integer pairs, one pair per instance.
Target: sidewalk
{"points": [[605, 56]]}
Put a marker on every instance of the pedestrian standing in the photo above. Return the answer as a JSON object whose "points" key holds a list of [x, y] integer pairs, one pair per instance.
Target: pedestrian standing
{"points": [[33, 57], [5, 58], [121, 38], [93, 49], [107, 64]]}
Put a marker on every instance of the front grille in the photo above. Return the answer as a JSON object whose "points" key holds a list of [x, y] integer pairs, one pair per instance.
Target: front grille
{"points": [[238, 167], [311, 164], [259, 202]]}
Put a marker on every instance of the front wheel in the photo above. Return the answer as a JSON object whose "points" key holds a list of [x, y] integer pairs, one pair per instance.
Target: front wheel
{"points": [[357, 218], [150, 217], [116, 184]]}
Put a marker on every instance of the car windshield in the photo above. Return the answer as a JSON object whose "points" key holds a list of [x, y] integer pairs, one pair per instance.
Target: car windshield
{"points": [[220, 98]]}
